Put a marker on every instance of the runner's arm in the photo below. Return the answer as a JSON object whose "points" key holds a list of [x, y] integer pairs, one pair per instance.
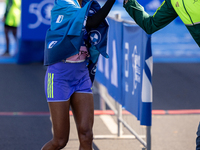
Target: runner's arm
{"points": [[96, 19], [150, 24]]}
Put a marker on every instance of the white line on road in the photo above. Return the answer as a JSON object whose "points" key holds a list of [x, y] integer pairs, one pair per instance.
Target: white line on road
{"points": [[110, 123]]}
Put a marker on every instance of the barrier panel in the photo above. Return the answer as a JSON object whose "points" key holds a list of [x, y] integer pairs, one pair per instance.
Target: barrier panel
{"points": [[124, 80], [127, 72], [35, 20], [111, 67]]}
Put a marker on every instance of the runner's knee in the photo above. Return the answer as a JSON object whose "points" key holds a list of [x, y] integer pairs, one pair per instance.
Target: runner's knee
{"points": [[85, 135], [60, 143]]}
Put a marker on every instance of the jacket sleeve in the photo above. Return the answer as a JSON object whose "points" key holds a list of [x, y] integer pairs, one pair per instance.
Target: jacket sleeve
{"points": [[150, 24], [96, 19], [9, 4]]}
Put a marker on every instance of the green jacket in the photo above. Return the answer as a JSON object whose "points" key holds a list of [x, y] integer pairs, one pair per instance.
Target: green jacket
{"points": [[13, 13], [162, 17]]}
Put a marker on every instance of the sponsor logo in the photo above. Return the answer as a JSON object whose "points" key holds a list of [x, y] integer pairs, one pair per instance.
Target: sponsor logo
{"points": [[136, 68], [52, 44], [60, 19], [177, 4], [95, 37], [42, 11]]}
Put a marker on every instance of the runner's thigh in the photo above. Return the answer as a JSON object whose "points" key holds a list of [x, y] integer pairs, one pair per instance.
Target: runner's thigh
{"points": [[82, 105], [60, 118]]}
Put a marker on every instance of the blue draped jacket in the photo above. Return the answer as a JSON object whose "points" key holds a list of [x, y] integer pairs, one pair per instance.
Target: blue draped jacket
{"points": [[65, 36]]}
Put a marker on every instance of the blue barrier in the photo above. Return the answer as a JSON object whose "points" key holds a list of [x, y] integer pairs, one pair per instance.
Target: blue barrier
{"points": [[35, 20], [111, 67], [127, 72]]}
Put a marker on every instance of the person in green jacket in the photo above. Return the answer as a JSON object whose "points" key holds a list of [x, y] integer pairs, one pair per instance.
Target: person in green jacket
{"points": [[187, 10], [11, 20]]}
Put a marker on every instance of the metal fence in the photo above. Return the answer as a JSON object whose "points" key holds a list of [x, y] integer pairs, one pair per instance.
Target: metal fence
{"points": [[129, 121]]}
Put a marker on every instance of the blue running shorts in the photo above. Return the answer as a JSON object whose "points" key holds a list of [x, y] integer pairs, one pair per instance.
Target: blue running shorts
{"points": [[63, 79]]}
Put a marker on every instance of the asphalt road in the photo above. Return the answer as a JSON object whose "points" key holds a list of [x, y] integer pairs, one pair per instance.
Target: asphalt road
{"points": [[176, 86]]}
